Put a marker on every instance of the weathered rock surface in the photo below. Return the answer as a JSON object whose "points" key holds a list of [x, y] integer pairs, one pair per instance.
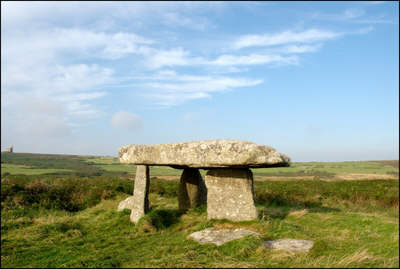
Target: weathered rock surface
{"points": [[230, 194], [192, 190], [289, 244], [204, 154], [140, 193], [219, 237], [126, 204]]}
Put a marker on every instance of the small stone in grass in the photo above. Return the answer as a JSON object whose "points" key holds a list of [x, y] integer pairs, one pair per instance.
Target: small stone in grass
{"points": [[289, 244]]}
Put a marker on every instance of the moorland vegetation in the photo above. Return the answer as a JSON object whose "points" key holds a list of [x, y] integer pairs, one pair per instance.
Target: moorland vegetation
{"points": [[60, 211]]}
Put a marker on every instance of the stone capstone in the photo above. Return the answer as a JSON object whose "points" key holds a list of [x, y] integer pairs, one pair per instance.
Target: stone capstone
{"points": [[140, 193], [204, 154], [126, 204], [289, 244], [230, 194], [220, 236], [192, 190]]}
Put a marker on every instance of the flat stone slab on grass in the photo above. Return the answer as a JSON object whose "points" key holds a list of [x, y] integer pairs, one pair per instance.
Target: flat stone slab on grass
{"points": [[289, 244], [204, 154], [220, 236]]}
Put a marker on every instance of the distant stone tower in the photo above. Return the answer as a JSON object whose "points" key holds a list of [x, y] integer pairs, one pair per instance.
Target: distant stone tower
{"points": [[10, 149]]}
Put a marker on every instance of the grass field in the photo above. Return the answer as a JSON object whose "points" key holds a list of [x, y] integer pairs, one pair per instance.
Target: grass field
{"points": [[90, 165], [16, 169], [67, 217]]}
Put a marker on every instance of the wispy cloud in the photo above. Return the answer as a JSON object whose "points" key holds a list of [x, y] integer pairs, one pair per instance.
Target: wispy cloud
{"points": [[253, 59], [46, 69], [352, 15], [191, 15], [179, 57], [168, 88], [298, 49], [175, 19], [286, 37], [62, 63], [174, 57]]}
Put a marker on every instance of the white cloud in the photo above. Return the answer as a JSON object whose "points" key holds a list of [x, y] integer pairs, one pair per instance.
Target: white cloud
{"points": [[351, 15], [126, 121], [168, 88], [286, 37], [160, 58], [50, 43], [174, 19], [110, 14], [295, 49], [345, 15], [26, 116], [203, 84], [227, 69], [253, 59], [79, 77], [45, 68], [180, 57], [82, 96], [172, 99], [363, 31], [71, 85]]}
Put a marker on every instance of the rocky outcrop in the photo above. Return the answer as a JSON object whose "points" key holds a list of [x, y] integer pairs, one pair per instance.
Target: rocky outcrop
{"points": [[230, 194], [204, 154]]}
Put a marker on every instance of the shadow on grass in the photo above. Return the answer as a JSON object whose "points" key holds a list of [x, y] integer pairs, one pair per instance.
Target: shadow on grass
{"points": [[278, 207], [163, 218]]}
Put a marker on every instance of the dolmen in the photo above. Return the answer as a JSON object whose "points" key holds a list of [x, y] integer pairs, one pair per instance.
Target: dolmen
{"points": [[227, 189]]}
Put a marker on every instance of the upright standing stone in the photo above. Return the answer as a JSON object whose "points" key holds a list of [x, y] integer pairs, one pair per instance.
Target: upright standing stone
{"points": [[140, 193], [230, 194], [192, 190]]}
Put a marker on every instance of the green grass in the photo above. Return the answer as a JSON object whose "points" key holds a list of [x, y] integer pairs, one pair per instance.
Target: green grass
{"points": [[131, 169], [102, 159], [69, 219], [62, 164], [98, 165], [360, 231], [328, 169], [14, 169], [297, 169]]}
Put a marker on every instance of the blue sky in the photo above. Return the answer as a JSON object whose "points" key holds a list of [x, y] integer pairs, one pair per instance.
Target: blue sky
{"points": [[318, 81]]}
